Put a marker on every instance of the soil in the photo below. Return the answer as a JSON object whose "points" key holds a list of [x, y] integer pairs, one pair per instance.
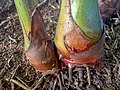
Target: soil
{"points": [[16, 73]]}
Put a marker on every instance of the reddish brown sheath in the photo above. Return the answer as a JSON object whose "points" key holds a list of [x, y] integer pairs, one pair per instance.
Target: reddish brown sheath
{"points": [[41, 50]]}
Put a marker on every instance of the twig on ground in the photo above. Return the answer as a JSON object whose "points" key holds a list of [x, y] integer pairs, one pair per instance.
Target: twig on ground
{"points": [[18, 83]]}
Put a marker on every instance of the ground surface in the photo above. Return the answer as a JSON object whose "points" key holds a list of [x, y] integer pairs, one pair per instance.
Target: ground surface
{"points": [[16, 71]]}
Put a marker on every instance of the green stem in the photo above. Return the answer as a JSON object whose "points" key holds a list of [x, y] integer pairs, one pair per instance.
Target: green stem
{"points": [[86, 15], [24, 9]]}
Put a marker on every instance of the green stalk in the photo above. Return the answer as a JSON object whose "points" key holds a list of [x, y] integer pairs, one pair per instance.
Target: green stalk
{"points": [[24, 9], [86, 15]]}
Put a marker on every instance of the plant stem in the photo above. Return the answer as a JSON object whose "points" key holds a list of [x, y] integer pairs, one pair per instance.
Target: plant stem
{"points": [[24, 9]]}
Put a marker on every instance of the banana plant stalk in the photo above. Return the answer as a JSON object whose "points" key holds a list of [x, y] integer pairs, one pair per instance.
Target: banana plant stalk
{"points": [[39, 48], [107, 8], [79, 36], [24, 9]]}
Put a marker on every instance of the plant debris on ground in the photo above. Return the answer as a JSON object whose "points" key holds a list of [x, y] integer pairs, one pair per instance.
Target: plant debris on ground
{"points": [[16, 73]]}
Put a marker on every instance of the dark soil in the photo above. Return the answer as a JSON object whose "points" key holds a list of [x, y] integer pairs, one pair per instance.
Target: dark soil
{"points": [[16, 71]]}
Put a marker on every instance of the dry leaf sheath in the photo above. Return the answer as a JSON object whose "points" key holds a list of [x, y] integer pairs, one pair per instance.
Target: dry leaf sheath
{"points": [[41, 50]]}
